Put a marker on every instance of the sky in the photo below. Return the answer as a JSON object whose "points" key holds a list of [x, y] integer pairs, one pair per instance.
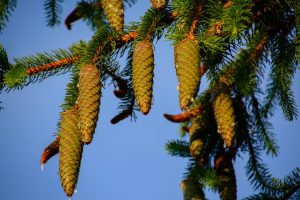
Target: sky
{"points": [[124, 161]]}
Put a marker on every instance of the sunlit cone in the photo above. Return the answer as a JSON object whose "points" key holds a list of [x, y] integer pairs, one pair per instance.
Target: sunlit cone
{"points": [[192, 190], [88, 101], [51, 150], [114, 11], [187, 63], [70, 151], [142, 75], [224, 115], [227, 186], [196, 148], [159, 4]]}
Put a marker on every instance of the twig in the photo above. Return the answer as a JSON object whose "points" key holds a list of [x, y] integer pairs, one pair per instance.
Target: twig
{"points": [[51, 65], [195, 20]]}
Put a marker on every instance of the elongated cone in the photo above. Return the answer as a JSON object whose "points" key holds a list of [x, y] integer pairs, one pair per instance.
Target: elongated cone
{"points": [[70, 151], [187, 63], [196, 141], [114, 11], [224, 115], [198, 132], [227, 186], [142, 75], [51, 150], [88, 101], [159, 4], [192, 190]]}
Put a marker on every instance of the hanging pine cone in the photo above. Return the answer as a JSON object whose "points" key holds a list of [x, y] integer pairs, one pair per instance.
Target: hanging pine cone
{"points": [[192, 190], [88, 101], [224, 115], [226, 175], [51, 150], [196, 142], [187, 63], [159, 4], [142, 75], [70, 151], [198, 133], [114, 11]]}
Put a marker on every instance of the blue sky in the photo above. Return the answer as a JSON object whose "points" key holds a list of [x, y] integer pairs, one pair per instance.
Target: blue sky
{"points": [[124, 161]]}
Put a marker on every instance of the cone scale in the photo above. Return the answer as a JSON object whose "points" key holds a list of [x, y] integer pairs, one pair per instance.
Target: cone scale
{"points": [[187, 63], [142, 75], [88, 101], [70, 151]]}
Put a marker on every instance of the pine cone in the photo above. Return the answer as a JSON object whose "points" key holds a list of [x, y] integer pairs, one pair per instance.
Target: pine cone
{"points": [[70, 151], [159, 4], [227, 186], [142, 75], [187, 63], [224, 115], [51, 150], [114, 11], [192, 190], [197, 134], [88, 101]]}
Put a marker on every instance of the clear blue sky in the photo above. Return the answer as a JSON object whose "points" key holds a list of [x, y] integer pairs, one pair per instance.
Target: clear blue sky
{"points": [[125, 161]]}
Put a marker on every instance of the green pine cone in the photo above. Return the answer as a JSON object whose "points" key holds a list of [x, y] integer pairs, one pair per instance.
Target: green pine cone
{"points": [[114, 11], [88, 101], [159, 4], [196, 139], [227, 187], [224, 115], [70, 151], [187, 63], [142, 75], [192, 190]]}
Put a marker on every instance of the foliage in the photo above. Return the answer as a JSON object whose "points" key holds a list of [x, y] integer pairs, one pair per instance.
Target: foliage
{"points": [[236, 43], [6, 7]]}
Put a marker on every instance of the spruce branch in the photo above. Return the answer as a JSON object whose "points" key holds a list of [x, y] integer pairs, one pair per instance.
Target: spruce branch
{"points": [[206, 175], [261, 178], [4, 65], [6, 7], [30, 69], [53, 9], [180, 148], [71, 95], [261, 129], [279, 89], [195, 20], [51, 65]]}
